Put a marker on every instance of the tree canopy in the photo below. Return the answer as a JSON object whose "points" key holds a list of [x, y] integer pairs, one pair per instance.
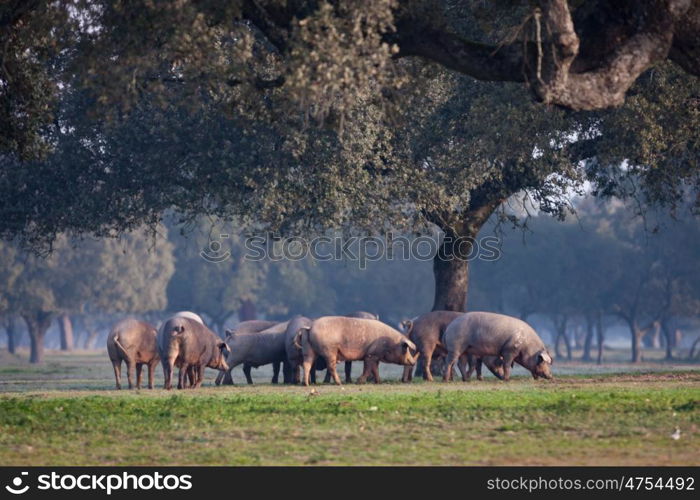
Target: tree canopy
{"points": [[304, 116]]}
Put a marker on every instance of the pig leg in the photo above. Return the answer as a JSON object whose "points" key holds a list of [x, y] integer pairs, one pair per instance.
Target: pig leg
{"points": [[168, 368], [507, 364], [130, 372], [427, 356], [375, 372], [139, 368], [367, 369], [286, 373], [462, 365], [449, 363], [308, 365], [246, 372], [407, 374], [192, 376], [331, 361], [199, 372], [276, 372], [151, 369], [295, 372], [224, 377], [348, 372], [117, 365], [479, 363], [181, 377]]}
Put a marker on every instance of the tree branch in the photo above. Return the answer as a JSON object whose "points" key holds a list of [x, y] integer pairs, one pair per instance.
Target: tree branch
{"points": [[561, 68]]}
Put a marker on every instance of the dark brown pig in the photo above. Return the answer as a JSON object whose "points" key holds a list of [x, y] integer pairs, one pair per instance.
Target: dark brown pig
{"points": [[257, 349], [244, 327], [489, 334], [337, 338], [189, 345], [133, 342]]}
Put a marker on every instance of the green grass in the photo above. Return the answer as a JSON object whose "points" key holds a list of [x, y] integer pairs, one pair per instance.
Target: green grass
{"points": [[66, 413]]}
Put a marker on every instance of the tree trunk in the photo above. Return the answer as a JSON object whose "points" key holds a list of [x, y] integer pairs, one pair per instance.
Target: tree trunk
{"points": [[600, 337], [668, 340], [588, 341], [560, 325], [637, 334], [66, 328], [247, 311], [451, 271], [656, 335], [37, 325], [12, 334], [90, 338]]}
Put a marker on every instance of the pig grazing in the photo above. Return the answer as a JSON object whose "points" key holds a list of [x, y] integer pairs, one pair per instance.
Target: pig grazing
{"points": [[488, 334], [244, 327], [189, 345], [257, 348], [426, 331], [337, 338], [133, 342]]}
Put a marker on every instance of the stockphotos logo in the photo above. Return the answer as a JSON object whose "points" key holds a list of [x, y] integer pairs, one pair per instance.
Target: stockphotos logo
{"points": [[106, 483], [16, 488]]}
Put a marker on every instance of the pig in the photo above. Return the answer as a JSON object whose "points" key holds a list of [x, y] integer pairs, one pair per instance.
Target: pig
{"points": [[251, 326], [348, 364], [337, 338], [490, 334], [191, 375], [295, 358], [426, 331], [189, 345], [257, 348], [133, 342]]}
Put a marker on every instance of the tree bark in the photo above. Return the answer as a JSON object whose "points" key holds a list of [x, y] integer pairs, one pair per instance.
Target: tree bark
{"points": [[66, 328], [248, 311], [560, 326], [588, 341], [668, 337], [587, 59], [637, 334], [600, 337], [451, 283], [12, 334], [37, 325]]}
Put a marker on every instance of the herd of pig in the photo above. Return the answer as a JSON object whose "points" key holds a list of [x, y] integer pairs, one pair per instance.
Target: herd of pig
{"points": [[468, 339]]}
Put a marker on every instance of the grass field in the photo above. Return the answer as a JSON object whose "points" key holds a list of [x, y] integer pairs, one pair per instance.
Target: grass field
{"points": [[66, 413]]}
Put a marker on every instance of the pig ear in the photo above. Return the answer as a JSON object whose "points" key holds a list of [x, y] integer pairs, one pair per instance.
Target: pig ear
{"points": [[543, 357], [407, 344]]}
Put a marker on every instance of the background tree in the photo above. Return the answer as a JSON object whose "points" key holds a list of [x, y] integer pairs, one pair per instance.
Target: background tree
{"points": [[84, 277]]}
